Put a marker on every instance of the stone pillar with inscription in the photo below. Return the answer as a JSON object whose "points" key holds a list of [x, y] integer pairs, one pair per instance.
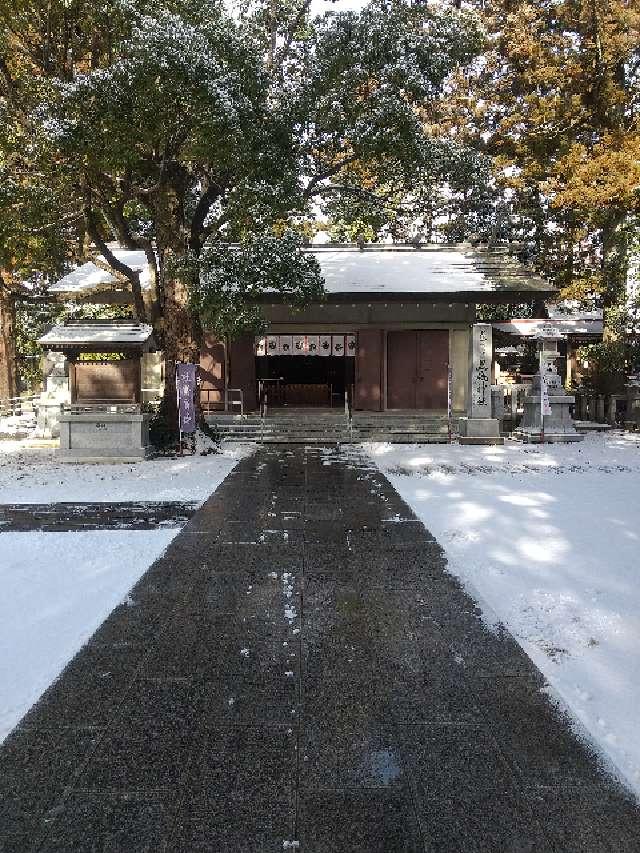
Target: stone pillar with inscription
{"points": [[480, 427]]}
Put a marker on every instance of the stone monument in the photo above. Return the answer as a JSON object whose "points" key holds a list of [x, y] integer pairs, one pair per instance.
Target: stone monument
{"points": [[632, 420], [480, 427]]}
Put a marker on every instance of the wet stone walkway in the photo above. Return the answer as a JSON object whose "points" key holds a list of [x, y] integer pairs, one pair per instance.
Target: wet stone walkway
{"points": [[298, 672]]}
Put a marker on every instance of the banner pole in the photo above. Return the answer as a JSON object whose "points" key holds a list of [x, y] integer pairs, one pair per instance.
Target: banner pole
{"points": [[179, 412]]}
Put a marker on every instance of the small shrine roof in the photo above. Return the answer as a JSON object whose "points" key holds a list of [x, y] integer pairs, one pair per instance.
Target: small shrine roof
{"points": [[128, 335]]}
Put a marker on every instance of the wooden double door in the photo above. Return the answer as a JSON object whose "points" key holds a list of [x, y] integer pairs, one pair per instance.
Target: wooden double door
{"points": [[417, 365]]}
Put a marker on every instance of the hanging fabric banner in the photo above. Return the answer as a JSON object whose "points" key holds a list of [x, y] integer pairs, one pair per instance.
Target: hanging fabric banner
{"points": [[337, 345], [312, 344], [324, 344], [272, 345], [286, 345], [351, 345], [299, 345], [185, 390], [261, 347]]}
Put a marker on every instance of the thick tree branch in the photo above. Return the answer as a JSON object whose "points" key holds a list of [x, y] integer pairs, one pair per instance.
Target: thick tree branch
{"points": [[328, 173], [117, 265], [205, 203], [114, 213]]}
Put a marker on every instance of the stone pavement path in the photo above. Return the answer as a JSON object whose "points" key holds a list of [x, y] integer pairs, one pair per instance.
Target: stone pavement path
{"points": [[298, 672]]}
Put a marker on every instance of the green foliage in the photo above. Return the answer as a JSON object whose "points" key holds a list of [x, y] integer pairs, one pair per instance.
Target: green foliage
{"points": [[609, 363], [231, 281], [31, 322], [555, 103]]}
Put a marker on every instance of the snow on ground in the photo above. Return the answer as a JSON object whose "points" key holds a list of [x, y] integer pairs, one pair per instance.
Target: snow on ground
{"points": [[32, 475], [547, 539], [57, 588]]}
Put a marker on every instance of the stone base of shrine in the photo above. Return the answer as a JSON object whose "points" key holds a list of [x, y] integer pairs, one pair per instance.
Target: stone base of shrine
{"points": [[104, 436], [528, 437], [480, 431]]}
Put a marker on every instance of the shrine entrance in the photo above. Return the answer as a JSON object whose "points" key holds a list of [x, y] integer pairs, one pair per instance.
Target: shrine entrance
{"points": [[417, 363], [305, 370]]}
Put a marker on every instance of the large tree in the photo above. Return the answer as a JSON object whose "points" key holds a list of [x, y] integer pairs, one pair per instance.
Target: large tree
{"points": [[176, 126], [554, 100]]}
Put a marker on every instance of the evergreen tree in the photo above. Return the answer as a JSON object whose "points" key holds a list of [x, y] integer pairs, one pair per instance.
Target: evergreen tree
{"points": [[173, 126], [554, 100]]}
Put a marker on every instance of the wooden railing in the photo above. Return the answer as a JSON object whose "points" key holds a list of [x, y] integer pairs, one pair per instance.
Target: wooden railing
{"points": [[16, 406]]}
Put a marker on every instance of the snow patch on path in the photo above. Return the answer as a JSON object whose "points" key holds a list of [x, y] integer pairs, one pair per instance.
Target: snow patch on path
{"points": [[547, 538], [33, 475], [57, 589]]}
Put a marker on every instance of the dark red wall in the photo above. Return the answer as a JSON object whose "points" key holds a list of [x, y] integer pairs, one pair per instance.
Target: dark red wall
{"points": [[369, 370]]}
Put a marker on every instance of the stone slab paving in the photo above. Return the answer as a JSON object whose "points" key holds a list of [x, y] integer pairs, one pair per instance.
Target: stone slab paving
{"points": [[299, 672], [119, 515]]}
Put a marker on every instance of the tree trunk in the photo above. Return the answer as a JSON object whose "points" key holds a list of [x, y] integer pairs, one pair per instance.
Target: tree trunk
{"points": [[179, 334], [178, 331], [8, 382]]}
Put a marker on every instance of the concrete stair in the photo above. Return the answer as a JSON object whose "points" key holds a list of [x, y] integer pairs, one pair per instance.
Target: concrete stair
{"points": [[282, 427], [410, 428]]}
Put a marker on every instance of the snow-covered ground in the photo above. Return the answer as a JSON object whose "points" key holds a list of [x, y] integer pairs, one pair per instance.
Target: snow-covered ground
{"points": [[32, 475], [547, 539], [57, 588]]}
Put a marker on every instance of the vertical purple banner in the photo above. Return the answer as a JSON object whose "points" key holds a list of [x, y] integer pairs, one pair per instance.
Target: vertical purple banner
{"points": [[186, 389]]}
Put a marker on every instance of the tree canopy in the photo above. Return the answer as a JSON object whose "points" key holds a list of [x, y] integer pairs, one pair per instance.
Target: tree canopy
{"points": [[178, 128], [171, 125]]}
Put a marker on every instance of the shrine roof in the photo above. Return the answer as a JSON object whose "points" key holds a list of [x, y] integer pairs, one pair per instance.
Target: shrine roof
{"points": [[430, 270], [102, 334], [383, 271], [97, 275]]}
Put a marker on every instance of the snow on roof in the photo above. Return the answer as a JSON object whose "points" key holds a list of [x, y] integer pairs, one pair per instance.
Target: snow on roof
{"points": [[436, 270], [556, 328], [432, 270], [91, 276], [97, 334]]}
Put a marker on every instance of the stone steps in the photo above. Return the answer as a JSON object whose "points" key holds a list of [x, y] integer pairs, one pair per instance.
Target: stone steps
{"points": [[330, 428]]}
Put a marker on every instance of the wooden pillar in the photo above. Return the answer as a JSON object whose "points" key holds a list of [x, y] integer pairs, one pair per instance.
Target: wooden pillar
{"points": [[212, 373], [370, 370], [242, 369]]}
